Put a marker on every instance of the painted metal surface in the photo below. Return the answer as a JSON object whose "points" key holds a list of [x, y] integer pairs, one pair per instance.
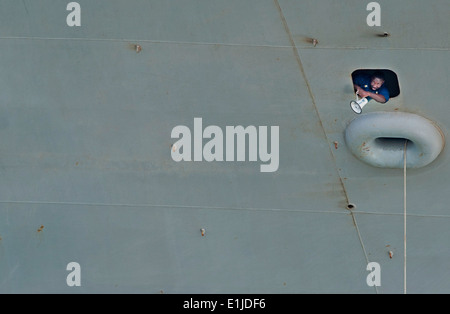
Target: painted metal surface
{"points": [[85, 160], [381, 138]]}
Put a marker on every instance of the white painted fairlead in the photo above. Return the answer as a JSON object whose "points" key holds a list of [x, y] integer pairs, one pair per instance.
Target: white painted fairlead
{"points": [[378, 138]]}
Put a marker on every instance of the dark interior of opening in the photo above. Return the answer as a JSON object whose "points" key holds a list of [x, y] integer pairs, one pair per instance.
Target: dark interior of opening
{"points": [[391, 82], [394, 143]]}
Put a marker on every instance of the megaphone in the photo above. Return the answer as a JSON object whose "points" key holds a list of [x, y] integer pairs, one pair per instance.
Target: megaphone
{"points": [[358, 105]]}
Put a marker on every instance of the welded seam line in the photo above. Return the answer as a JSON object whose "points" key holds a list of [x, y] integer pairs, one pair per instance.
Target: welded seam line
{"points": [[174, 42], [169, 206], [361, 242], [311, 95], [150, 41]]}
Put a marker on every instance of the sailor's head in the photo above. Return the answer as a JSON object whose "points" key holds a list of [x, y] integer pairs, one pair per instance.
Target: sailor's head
{"points": [[377, 80]]}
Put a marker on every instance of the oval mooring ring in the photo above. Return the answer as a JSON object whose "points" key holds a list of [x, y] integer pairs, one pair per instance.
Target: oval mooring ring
{"points": [[378, 138]]}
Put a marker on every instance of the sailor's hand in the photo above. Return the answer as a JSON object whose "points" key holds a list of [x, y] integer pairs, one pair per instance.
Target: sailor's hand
{"points": [[361, 92]]}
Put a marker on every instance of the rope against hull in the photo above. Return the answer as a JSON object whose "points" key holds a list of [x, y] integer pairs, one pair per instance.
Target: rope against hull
{"points": [[404, 218]]}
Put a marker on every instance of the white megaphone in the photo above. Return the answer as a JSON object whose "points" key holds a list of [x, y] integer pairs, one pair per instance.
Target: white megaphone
{"points": [[358, 105]]}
